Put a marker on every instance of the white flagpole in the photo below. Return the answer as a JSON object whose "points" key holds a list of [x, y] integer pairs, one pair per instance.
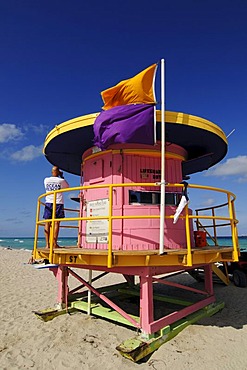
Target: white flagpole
{"points": [[155, 138], [163, 144]]}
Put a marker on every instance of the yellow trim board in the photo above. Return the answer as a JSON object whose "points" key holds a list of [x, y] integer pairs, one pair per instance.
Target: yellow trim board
{"points": [[145, 152], [170, 117]]}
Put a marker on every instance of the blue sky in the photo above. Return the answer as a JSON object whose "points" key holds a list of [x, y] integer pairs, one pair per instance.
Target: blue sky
{"points": [[56, 57]]}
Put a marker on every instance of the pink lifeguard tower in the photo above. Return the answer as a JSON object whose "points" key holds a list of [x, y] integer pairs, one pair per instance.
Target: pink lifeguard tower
{"points": [[118, 226], [131, 164]]}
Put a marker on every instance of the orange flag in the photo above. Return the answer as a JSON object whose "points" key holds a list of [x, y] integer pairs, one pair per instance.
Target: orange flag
{"points": [[136, 90]]}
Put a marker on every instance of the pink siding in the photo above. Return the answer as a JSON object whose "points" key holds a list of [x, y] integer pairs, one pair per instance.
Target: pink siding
{"points": [[123, 167]]}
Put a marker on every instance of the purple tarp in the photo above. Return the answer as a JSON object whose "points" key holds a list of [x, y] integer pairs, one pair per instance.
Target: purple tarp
{"points": [[132, 123]]}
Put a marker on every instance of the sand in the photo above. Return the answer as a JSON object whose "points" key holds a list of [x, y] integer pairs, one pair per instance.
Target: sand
{"points": [[82, 342]]}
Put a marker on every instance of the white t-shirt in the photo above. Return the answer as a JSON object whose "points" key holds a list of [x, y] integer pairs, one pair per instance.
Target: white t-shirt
{"points": [[55, 183]]}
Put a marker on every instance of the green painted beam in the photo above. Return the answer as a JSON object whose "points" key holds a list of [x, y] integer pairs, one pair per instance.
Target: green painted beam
{"points": [[141, 346], [50, 313], [158, 297], [105, 312]]}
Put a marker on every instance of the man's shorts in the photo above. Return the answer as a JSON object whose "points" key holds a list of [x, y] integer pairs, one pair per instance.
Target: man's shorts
{"points": [[48, 211]]}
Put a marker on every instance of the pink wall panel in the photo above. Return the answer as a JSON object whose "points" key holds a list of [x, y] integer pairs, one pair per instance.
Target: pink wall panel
{"points": [[123, 167]]}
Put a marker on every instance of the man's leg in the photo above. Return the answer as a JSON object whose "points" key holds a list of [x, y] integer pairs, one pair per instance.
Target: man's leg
{"points": [[47, 235], [56, 232]]}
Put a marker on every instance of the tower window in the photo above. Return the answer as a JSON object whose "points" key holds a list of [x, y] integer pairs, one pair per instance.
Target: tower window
{"points": [[152, 197]]}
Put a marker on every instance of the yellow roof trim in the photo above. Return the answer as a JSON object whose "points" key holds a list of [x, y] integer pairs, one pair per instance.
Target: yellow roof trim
{"points": [[171, 117], [72, 124], [194, 121]]}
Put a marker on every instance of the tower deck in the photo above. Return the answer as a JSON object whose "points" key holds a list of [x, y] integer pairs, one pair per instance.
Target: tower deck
{"points": [[86, 258]]}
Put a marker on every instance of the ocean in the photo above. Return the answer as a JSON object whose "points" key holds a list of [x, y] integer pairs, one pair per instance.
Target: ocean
{"points": [[27, 243]]}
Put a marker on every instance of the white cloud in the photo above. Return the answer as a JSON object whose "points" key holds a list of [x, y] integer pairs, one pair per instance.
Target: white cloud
{"points": [[208, 202], [243, 179], [37, 129], [40, 129], [9, 132], [73, 195], [232, 167], [28, 153]]}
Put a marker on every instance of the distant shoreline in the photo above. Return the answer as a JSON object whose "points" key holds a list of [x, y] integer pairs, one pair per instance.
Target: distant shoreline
{"points": [[72, 237]]}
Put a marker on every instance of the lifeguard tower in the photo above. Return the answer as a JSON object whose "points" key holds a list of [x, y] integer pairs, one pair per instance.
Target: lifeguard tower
{"points": [[118, 226]]}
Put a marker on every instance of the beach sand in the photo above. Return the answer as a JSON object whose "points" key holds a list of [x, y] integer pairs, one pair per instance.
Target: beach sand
{"points": [[82, 342]]}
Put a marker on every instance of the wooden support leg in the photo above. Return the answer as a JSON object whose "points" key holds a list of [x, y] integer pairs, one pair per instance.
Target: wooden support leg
{"points": [[208, 277], [89, 293], [130, 279], [62, 275], [146, 303]]}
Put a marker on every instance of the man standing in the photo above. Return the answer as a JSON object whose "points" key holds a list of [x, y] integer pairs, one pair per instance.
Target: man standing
{"points": [[55, 182]]}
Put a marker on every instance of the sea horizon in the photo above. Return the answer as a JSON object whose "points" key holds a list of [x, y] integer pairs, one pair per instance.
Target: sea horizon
{"points": [[26, 243]]}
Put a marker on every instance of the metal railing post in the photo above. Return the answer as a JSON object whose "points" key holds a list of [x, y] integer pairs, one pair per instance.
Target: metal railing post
{"points": [[235, 223], [36, 229], [214, 227], [197, 221], [187, 231], [233, 226], [52, 228], [109, 257]]}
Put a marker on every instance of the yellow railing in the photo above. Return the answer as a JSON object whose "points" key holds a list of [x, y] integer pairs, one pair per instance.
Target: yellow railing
{"points": [[214, 225], [231, 220]]}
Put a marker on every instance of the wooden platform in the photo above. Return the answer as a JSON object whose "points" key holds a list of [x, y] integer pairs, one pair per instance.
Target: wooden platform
{"points": [[73, 255]]}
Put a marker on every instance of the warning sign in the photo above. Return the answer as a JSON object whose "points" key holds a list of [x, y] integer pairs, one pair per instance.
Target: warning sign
{"points": [[97, 230]]}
